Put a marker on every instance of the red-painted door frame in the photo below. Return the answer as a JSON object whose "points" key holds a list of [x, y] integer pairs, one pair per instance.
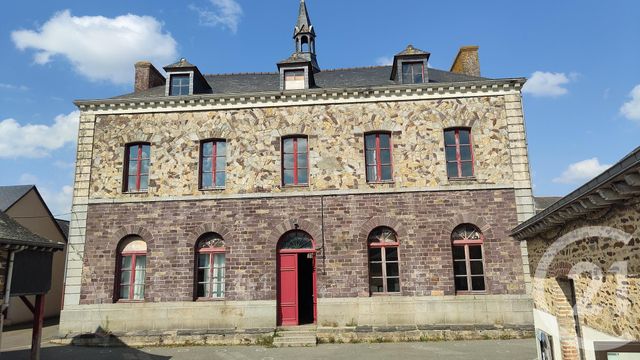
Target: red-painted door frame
{"points": [[282, 254]]}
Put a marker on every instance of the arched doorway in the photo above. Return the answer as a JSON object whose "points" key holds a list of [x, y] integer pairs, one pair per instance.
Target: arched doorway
{"points": [[296, 266]]}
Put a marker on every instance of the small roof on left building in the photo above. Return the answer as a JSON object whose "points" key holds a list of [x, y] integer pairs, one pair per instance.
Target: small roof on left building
{"points": [[14, 235], [10, 195]]}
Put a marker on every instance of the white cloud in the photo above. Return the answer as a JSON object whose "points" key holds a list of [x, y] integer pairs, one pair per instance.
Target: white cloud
{"points": [[226, 13], [13, 87], [27, 179], [631, 109], [384, 61], [581, 171], [98, 47], [36, 141], [548, 84]]}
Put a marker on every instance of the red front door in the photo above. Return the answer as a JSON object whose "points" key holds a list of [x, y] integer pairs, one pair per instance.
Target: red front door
{"points": [[288, 289]]}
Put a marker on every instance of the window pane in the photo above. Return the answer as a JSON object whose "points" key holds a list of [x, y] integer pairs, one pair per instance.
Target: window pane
{"points": [[407, 78], [477, 283], [387, 173], [131, 183], [133, 167], [406, 68], [372, 173], [417, 78], [451, 153], [375, 254], [133, 152], [207, 180], [288, 161], [370, 142], [302, 145], [391, 254], [393, 285], [219, 260], [144, 167], [477, 268], [288, 177], [203, 260], [288, 146], [467, 169], [207, 148], [222, 148], [460, 268], [124, 292], [385, 157], [201, 291], [125, 277], [385, 141], [221, 179], [371, 157], [375, 269], [376, 285], [464, 137], [450, 137], [207, 164], [144, 182], [303, 160], [141, 266], [303, 176], [452, 169], [461, 283], [458, 252], [126, 263], [393, 269], [475, 252], [465, 152], [221, 163]]}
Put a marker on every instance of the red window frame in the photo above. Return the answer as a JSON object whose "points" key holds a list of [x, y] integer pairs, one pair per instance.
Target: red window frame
{"points": [[378, 163], [138, 175], [459, 161], [296, 168], [211, 252], [214, 173], [132, 277], [383, 246], [466, 244]]}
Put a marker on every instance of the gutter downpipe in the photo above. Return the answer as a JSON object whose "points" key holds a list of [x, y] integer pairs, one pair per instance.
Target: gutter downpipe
{"points": [[7, 290]]}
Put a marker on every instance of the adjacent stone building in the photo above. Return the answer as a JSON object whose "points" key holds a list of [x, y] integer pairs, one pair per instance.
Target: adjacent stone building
{"points": [[584, 253], [360, 198]]}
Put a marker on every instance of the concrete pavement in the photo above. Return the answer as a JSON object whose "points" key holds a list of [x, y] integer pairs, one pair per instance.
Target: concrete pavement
{"points": [[477, 350]]}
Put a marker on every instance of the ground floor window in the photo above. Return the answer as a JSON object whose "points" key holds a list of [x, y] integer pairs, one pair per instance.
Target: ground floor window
{"points": [[211, 261], [132, 268], [384, 264], [468, 263]]}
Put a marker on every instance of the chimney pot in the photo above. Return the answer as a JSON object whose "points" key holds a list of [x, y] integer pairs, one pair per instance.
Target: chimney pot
{"points": [[467, 61], [147, 76]]}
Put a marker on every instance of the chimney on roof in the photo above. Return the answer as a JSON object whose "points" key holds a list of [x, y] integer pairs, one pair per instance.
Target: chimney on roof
{"points": [[147, 76], [467, 61]]}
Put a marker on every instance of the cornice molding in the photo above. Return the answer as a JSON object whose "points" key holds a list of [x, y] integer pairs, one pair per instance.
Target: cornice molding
{"points": [[210, 102]]}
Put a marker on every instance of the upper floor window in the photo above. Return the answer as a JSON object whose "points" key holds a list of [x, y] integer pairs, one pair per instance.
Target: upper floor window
{"points": [[467, 243], [294, 80], [210, 267], [459, 153], [384, 266], [413, 72], [213, 164], [179, 85], [132, 266], [137, 167], [295, 161], [378, 157]]}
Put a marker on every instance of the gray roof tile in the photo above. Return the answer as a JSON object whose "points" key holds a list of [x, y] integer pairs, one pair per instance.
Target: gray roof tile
{"points": [[9, 195], [12, 233]]}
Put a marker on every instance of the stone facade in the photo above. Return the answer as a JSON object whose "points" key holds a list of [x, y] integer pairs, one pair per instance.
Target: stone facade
{"points": [[607, 292]]}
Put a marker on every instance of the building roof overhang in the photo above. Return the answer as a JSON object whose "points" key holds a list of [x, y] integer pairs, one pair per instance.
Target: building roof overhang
{"points": [[616, 185]]}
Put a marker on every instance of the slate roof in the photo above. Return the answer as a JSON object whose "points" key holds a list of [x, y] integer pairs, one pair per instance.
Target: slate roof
{"points": [[543, 202], [14, 234], [326, 79], [64, 227], [410, 50], [9, 195], [304, 23]]}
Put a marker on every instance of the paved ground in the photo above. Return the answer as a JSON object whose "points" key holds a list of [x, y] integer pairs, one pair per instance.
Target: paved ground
{"points": [[19, 337], [494, 350]]}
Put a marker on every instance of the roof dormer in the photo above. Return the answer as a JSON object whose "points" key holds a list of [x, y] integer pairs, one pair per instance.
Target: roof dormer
{"points": [[411, 66], [185, 79]]}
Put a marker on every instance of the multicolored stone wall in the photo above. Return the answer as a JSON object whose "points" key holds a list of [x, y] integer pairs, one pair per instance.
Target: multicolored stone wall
{"points": [[252, 227], [336, 138], [608, 296]]}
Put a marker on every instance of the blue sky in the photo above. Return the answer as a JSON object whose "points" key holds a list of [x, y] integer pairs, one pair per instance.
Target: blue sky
{"points": [[581, 108]]}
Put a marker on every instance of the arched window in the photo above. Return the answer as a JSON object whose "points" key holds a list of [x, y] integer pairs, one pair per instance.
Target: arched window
{"points": [[132, 268], [295, 240], [210, 260], [384, 267], [467, 243]]}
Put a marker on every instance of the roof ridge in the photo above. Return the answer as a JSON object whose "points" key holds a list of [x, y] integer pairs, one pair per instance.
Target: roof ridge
{"points": [[243, 73]]}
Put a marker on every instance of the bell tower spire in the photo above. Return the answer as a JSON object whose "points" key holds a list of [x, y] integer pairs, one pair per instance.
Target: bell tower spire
{"points": [[304, 35]]}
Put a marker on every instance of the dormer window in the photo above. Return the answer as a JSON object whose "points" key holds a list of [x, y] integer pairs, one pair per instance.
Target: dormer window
{"points": [[413, 72], [179, 85], [294, 79]]}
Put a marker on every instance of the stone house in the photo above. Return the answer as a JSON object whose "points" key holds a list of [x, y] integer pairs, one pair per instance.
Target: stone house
{"points": [[25, 205], [584, 253], [380, 196]]}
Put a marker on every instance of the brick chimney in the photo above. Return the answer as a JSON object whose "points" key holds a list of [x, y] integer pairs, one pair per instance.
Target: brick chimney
{"points": [[147, 76], [467, 61]]}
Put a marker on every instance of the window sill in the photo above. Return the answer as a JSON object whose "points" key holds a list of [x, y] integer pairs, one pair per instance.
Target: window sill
{"points": [[472, 293], [213, 189], [209, 299], [384, 182], [294, 186], [135, 192], [459, 179], [386, 294], [129, 301]]}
